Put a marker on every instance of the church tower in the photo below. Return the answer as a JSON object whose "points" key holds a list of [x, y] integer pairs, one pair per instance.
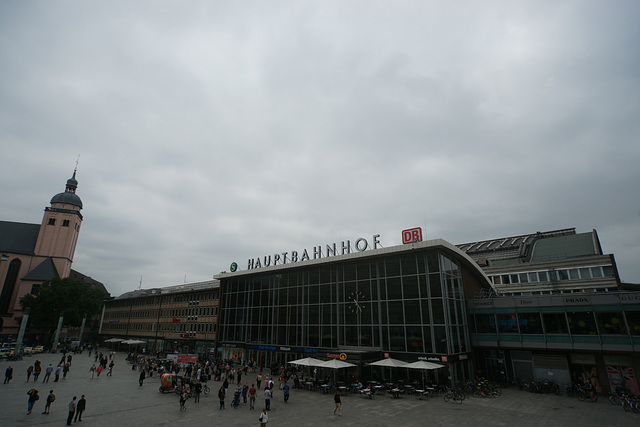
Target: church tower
{"points": [[60, 228]]}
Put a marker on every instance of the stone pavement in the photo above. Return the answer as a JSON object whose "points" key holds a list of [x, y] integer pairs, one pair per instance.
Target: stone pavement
{"points": [[120, 401]]}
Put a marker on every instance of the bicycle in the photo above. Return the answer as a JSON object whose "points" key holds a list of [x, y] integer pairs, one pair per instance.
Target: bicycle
{"points": [[455, 396]]}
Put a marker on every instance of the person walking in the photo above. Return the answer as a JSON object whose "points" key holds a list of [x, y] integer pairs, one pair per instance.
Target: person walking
{"points": [[29, 372], [8, 375], [92, 369], [285, 391], [263, 418], [58, 370], [245, 391], [259, 379], [221, 395], [72, 410], [110, 373], [142, 377], [252, 397], [47, 373], [267, 399], [65, 371], [183, 401], [80, 407], [33, 397], [338, 402], [50, 399]]}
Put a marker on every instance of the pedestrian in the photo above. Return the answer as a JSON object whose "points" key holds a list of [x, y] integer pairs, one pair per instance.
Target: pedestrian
{"points": [[252, 397], [221, 394], [47, 373], [336, 399], [65, 371], [263, 418], [183, 400], [110, 373], [245, 390], [142, 376], [98, 371], [33, 397], [92, 369], [8, 375], [198, 390], [36, 370], [267, 399], [225, 384], [50, 399], [29, 372], [259, 380], [80, 407], [72, 410], [58, 370], [285, 391]]}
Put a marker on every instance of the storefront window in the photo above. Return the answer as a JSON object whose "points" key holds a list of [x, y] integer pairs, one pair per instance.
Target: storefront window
{"points": [[507, 323], [633, 319], [582, 323], [611, 323], [485, 323], [530, 323], [555, 323], [397, 338]]}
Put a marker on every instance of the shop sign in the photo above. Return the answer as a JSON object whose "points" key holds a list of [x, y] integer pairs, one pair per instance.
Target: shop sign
{"points": [[411, 235], [616, 360], [333, 356], [577, 300], [583, 359], [630, 298], [333, 249]]}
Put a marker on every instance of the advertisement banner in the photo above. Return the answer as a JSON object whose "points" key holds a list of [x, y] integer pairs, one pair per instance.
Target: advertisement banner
{"points": [[624, 377]]}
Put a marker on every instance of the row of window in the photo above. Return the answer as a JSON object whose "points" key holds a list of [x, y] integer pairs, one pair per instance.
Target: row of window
{"points": [[192, 299], [52, 221], [573, 322], [202, 327], [584, 273], [165, 312]]}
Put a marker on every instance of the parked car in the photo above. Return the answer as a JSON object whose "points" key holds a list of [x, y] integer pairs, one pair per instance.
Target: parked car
{"points": [[38, 349]]}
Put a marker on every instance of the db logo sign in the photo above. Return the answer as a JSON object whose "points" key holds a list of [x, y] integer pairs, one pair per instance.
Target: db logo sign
{"points": [[411, 235]]}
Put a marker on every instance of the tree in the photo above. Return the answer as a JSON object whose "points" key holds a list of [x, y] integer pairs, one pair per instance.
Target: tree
{"points": [[53, 297]]}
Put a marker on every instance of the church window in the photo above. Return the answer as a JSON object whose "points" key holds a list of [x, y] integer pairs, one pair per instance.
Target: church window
{"points": [[65, 223], [52, 221]]}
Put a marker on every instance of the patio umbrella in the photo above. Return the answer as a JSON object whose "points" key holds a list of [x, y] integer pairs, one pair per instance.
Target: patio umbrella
{"points": [[114, 340], [424, 365], [336, 364], [307, 361], [389, 363], [421, 364], [131, 342]]}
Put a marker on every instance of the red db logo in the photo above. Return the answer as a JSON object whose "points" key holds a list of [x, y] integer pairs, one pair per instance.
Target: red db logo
{"points": [[412, 235]]}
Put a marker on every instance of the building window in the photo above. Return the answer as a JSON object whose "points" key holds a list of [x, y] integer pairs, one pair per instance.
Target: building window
{"points": [[582, 323], [530, 323], [65, 222], [633, 319], [611, 323], [52, 221], [555, 323]]}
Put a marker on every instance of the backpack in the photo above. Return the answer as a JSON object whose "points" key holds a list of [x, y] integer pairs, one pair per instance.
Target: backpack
{"points": [[52, 398]]}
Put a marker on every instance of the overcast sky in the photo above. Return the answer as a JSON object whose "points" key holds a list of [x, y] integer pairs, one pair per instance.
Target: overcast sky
{"points": [[212, 131]]}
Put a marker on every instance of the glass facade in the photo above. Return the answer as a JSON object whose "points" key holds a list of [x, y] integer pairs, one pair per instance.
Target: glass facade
{"points": [[410, 303]]}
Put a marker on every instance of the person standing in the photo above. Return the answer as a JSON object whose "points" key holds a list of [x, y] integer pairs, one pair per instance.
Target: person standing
{"points": [[58, 370], [8, 375], [65, 371], [245, 391], [142, 376], [252, 397], [110, 373], [72, 410], [338, 402], [47, 373], [80, 407], [259, 379], [29, 372], [198, 390], [285, 390], [92, 369], [267, 399], [36, 370], [263, 418], [33, 397], [50, 399], [221, 395]]}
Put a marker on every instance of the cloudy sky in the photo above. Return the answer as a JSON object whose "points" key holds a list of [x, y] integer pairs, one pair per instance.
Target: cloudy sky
{"points": [[213, 131]]}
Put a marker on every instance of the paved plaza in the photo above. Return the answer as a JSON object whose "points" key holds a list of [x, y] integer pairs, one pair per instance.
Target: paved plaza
{"points": [[120, 401]]}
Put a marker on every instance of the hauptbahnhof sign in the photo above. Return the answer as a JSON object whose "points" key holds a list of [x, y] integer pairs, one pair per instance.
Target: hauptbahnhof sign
{"points": [[361, 244]]}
